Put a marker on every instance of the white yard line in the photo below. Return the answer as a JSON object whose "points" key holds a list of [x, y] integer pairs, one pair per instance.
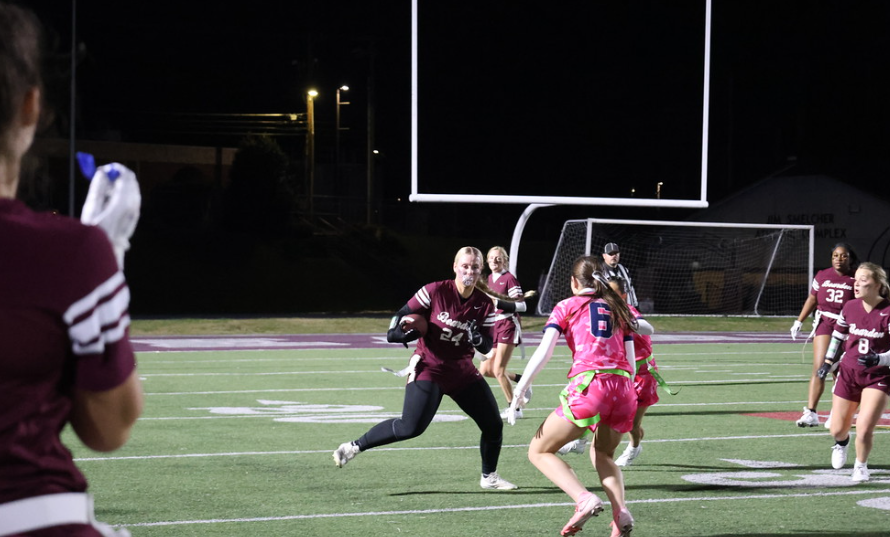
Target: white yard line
{"points": [[506, 507]]}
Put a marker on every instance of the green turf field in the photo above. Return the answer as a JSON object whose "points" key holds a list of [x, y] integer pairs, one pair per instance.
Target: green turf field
{"points": [[239, 444]]}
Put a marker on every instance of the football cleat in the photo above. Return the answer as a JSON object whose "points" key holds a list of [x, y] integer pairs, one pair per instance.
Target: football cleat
{"points": [[838, 456], [494, 481], [588, 506], [630, 453], [345, 453], [808, 419]]}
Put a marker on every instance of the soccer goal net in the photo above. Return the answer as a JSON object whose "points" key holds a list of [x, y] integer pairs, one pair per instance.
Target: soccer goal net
{"points": [[693, 268]]}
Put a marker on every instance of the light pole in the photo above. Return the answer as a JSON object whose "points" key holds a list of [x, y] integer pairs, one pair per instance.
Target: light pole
{"points": [[658, 190], [337, 145], [310, 148]]}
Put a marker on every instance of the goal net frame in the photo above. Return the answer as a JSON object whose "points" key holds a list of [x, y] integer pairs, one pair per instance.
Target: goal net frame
{"points": [[734, 269]]}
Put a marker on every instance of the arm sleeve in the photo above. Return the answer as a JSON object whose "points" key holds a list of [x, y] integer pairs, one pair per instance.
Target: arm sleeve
{"points": [[644, 328], [631, 353], [539, 359]]}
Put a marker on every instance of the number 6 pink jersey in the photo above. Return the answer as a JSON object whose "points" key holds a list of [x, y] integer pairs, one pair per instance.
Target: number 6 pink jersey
{"points": [[595, 342], [831, 290]]}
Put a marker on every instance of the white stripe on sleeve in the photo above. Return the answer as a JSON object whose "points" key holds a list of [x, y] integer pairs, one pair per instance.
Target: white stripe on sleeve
{"points": [[99, 318]]}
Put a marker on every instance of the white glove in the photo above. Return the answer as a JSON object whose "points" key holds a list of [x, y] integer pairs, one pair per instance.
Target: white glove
{"points": [[514, 405], [795, 328], [113, 203]]}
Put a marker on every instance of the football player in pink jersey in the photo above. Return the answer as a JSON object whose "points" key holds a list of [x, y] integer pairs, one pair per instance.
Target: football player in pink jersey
{"points": [[460, 317], [64, 315], [863, 374], [507, 332], [830, 290], [598, 327], [646, 382]]}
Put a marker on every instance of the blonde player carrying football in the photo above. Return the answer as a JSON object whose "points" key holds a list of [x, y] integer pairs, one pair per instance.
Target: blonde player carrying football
{"points": [[460, 317]]}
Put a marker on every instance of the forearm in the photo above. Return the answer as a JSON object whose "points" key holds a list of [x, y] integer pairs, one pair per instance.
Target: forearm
{"points": [[510, 307], [103, 420], [539, 359], [808, 308]]}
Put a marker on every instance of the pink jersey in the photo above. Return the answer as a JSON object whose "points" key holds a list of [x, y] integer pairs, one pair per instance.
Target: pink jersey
{"points": [[831, 290], [587, 325], [64, 318]]}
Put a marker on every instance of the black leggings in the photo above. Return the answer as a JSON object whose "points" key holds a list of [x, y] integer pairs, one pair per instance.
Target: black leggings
{"points": [[422, 400]]}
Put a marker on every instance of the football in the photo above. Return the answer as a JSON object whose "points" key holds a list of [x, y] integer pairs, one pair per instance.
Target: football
{"points": [[414, 321]]}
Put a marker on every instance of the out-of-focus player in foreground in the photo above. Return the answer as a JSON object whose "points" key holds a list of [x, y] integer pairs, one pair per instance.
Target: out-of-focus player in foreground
{"points": [[64, 317]]}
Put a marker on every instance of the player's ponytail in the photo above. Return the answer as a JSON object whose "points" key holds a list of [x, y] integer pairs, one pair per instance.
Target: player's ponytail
{"points": [[588, 272]]}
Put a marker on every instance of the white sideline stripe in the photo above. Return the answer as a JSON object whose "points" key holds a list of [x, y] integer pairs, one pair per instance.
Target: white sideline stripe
{"points": [[503, 507], [437, 448]]}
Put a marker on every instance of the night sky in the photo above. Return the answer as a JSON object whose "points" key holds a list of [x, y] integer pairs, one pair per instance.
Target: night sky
{"points": [[558, 98]]}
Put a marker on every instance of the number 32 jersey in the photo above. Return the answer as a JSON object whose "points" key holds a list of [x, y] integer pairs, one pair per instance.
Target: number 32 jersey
{"points": [[831, 290]]}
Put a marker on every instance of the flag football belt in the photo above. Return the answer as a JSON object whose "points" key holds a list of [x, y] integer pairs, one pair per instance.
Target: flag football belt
{"points": [[586, 377], [818, 315], [28, 514], [658, 378]]}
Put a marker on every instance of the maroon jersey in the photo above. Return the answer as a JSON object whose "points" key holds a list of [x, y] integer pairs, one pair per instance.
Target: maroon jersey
{"points": [[64, 318], [866, 331], [446, 352], [505, 284], [832, 290]]}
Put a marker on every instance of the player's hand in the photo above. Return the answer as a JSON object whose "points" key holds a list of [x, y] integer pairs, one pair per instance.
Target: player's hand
{"points": [[398, 334], [475, 335], [113, 202], [824, 369], [869, 359], [795, 329], [511, 413]]}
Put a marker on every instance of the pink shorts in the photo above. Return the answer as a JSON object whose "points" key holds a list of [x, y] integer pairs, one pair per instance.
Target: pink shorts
{"points": [[826, 326], [609, 395], [505, 332], [647, 389]]}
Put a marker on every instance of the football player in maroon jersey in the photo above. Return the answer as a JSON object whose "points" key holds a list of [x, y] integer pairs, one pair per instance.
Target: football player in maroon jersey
{"points": [[460, 318], [863, 377], [64, 317], [507, 332], [830, 290]]}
